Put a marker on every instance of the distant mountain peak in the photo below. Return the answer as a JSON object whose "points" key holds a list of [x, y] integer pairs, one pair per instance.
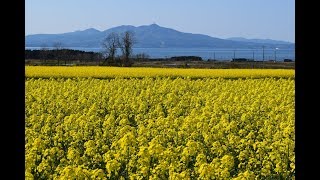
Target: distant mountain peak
{"points": [[125, 26], [147, 36], [154, 25], [92, 29]]}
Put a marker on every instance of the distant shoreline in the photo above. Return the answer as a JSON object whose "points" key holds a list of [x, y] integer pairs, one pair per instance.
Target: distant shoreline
{"points": [[204, 53]]}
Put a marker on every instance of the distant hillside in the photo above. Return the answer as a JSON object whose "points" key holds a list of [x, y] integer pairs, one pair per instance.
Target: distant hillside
{"points": [[147, 36]]}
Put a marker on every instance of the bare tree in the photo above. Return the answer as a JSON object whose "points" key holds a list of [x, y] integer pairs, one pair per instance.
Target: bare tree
{"points": [[127, 41], [110, 45], [57, 45], [142, 57]]}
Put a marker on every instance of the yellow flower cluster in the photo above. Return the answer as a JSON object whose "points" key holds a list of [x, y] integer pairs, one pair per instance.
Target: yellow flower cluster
{"points": [[158, 128], [112, 72]]}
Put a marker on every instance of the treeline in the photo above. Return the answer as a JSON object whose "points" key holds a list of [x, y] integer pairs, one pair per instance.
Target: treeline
{"points": [[70, 54], [63, 54], [77, 57], [186, 58]]}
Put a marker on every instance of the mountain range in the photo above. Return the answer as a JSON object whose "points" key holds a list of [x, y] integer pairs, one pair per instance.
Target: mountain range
{"points": [[150, 36]]}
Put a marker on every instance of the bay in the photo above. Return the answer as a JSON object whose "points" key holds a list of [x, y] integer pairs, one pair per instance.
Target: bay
{"points": [[204, 53]]}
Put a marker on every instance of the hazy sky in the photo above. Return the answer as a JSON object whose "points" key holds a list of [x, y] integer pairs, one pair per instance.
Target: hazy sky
{"points": [[272, 19]]}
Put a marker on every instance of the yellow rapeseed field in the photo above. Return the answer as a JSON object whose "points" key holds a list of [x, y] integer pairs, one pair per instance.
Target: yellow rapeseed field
{"points": [[111, 72], [159, 126]]}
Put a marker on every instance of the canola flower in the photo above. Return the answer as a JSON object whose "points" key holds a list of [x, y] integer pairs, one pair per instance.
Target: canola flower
{"points": [[112, 72], [158, 127]]}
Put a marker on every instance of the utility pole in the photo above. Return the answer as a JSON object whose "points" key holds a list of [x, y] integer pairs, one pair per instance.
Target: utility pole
{"points": [[253, 55], [214, 56], [262, 53], [234, 54]]}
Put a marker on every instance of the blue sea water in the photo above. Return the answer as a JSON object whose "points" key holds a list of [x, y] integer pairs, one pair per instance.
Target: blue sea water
{"points": [[206, 53]]}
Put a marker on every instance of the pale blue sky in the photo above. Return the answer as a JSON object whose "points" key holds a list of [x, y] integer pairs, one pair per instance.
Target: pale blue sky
{"points": [[272, 19]]}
